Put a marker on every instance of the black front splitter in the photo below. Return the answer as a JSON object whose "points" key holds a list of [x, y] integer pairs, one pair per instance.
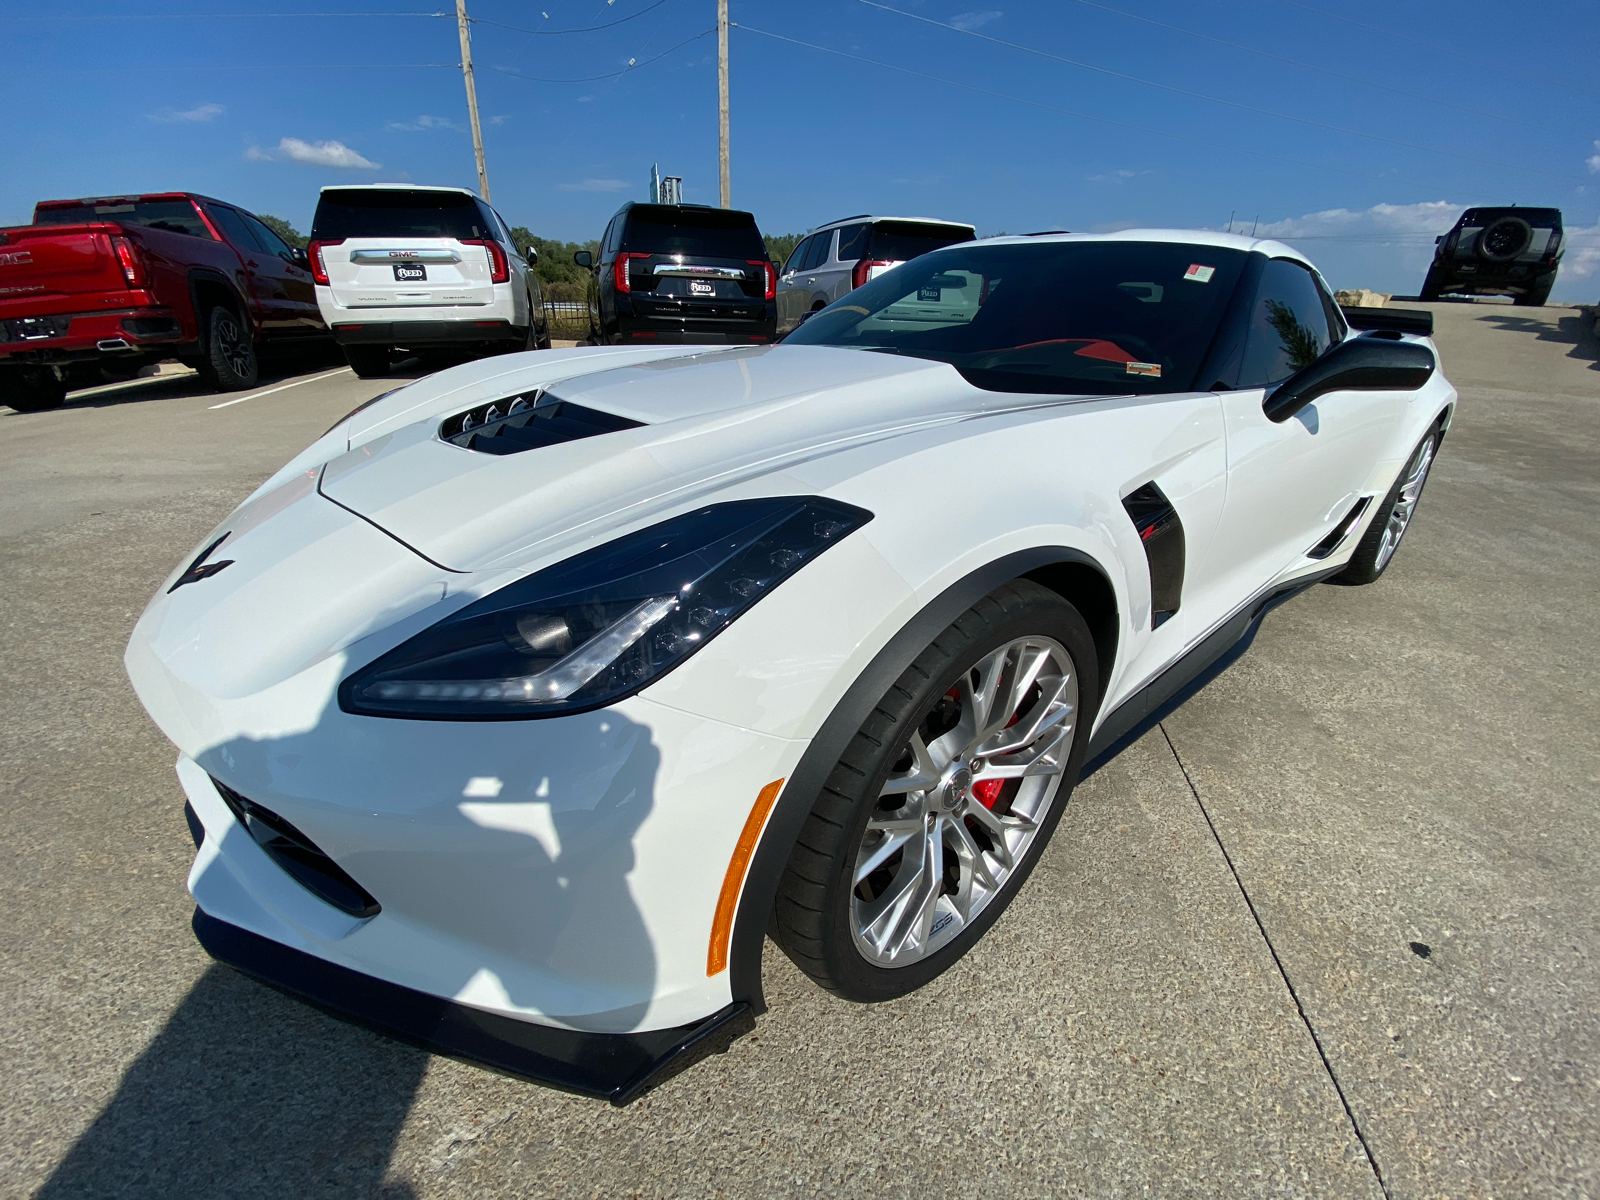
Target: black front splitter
{"points": [[619, 1067]]}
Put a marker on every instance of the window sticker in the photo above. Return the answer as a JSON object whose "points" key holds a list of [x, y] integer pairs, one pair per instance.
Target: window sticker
{"points": [[1151, 369], [1199, 274]]}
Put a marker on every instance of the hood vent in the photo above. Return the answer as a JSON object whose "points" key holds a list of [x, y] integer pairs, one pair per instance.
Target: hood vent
{"points": [[527, 422]]}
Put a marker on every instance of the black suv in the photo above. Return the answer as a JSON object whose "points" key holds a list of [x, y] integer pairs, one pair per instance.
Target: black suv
{"points": [[681, 273], [1498, 252]]}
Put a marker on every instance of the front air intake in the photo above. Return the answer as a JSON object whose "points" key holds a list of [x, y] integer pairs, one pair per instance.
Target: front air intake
{"points": [[299, 855], [528, 422]]}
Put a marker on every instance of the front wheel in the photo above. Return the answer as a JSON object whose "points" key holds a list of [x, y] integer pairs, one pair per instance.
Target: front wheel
{"points": [[1430, 285], [368, 362], [32, 389], [1376, 549], [944, 799], [1535, 297]]}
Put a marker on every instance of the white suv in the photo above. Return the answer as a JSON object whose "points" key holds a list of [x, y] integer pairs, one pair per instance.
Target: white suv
{"points": [[401, 267], [842, 255]]}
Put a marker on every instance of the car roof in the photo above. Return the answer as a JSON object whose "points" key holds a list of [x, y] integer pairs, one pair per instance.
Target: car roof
{"points": [[875, 219], [133, 198], [396, 187], [1191, 237]]}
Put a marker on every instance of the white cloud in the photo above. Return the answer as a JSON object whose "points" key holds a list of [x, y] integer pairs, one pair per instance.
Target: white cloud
{"points": [[975, 20], [324, 154], [594, 185], [208, 112], [1116, 176], [500, 120], [257, 154], [1582, 257], [424, 122], [1594, 160]]}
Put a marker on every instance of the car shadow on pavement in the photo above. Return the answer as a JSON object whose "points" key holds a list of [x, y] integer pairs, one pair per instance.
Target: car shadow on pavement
{"points": [[246, 1092], [1576, 330]]}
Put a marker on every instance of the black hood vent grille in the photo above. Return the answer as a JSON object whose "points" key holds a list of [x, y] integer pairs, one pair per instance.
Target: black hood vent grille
{"points": [[527, 422]]}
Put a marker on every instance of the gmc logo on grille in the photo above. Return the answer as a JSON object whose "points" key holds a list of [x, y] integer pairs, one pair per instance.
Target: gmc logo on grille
{"points": [[15, 258]]}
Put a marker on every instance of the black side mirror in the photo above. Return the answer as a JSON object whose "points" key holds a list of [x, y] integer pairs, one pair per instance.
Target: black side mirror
{"points": [[1366, 363], [530, 255], [297, 255], [584, 259]]}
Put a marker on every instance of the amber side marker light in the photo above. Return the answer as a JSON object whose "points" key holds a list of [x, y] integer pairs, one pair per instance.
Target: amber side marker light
{"points": [[728, 901]]}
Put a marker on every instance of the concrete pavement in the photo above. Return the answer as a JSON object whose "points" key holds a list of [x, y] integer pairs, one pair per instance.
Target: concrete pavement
{"points": [[1207, 988]]}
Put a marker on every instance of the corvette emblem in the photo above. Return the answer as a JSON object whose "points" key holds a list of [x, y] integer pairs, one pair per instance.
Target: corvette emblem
{"points": [[196, 571]]}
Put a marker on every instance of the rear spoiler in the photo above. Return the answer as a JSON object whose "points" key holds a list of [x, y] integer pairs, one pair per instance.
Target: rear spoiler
{"points": [[1402, 320]]}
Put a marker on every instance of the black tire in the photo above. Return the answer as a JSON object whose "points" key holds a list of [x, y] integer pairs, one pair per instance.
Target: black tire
{"points": [[813, 914], [369, 362], [1430, 285], [1537, 296], [543, 341], [32, 389], [1373, 555], [230, 361], [1504, 239]]}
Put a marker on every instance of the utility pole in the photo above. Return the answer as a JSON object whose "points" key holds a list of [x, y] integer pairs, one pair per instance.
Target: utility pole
{"points": [[722, 100], [472, 95]]}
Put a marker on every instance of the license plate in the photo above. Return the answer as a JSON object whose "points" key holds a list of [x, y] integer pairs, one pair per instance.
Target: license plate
{"points": [[410, 272], [702, 287], [929, 295]]}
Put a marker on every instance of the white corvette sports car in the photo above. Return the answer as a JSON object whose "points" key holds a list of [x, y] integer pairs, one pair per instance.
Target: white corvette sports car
{"points": [[520, 709]]}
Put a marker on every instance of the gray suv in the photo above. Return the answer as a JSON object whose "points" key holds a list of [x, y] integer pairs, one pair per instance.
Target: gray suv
{"points": [[1498, 252], [842, 255]]}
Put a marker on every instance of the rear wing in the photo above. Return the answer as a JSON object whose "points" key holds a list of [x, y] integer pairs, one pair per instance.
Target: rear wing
{"points": [[1417, 321]]}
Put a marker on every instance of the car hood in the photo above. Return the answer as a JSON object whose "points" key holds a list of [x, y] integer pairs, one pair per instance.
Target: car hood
{"points": [[708, 421]]}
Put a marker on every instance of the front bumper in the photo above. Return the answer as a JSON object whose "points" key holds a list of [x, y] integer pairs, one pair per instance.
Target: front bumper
{"points": [[616, 1067]]}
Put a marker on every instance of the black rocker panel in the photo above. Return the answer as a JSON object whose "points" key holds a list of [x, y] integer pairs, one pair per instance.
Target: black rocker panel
{"points": [[1161, 534]]}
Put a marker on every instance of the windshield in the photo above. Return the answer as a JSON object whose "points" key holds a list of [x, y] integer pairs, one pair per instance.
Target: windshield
{"points": [[366, 212], [1101, 318]]}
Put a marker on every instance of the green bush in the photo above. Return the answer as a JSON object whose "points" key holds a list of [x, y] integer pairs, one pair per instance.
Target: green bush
{"points": [[283, 229]]}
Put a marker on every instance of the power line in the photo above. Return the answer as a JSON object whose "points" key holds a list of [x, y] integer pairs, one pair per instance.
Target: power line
{"points": [[1294, 62], [1166, 87], [559, 32], [216, 16], [632, 65], [1068, 112]]}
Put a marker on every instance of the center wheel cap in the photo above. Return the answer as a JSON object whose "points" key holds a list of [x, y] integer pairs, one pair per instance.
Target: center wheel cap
{"points": [[956, 787]]}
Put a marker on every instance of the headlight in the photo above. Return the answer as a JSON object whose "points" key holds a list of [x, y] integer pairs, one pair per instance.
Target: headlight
{"points": [[595, 628]]}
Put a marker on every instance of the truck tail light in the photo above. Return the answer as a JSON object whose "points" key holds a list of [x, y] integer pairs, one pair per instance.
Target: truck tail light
{"points": [[771, 274], [620, 271], [319, 269], [1554, 246], [499, 269], [862, 271], [129, 260]]}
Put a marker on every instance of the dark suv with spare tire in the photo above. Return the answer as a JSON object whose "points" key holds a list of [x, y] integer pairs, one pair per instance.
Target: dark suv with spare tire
{"points": [[1498, 252]]}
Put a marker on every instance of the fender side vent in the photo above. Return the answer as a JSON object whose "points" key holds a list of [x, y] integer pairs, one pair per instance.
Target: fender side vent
{"points": [[527, 422], [1161, 533], [1340, 531], [299, 856]]}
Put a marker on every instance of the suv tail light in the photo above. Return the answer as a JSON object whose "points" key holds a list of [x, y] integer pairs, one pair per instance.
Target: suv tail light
{"points": [[130, 262], [620, 271], [1553, 248], [863, 269], [771, 274], [319, 269], [499, 269]]}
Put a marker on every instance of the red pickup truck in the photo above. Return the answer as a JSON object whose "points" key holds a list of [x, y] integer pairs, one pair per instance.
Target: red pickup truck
{"points": [[96, 289]]}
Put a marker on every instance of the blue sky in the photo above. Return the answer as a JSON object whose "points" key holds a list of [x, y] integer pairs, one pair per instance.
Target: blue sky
{"points": [[1362, 128]]}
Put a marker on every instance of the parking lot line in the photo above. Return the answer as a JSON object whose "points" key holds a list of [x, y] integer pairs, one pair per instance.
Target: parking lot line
{"points": [[281, 387]]}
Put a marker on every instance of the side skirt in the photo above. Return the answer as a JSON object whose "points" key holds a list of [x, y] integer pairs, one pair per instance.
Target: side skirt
{"points": [[619, 1067], [1143, 710]]}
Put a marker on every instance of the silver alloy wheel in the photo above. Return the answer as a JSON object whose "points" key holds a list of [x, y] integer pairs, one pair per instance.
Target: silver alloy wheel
{"points": [[1405, 504], [964, 802]]}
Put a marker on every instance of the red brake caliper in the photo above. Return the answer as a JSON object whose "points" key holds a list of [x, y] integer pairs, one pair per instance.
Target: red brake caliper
{"points": [[987, 791]]}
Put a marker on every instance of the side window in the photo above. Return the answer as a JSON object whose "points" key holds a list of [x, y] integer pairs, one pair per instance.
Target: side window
{"points": [[1288, 325], [490, 228], [505, 230], [797, 256], [269, 241], [233, 225], [614, 235], [820, 245], [853, 242]]}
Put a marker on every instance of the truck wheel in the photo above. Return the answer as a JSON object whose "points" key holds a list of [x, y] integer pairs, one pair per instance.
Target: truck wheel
{"points": [[1430, 285], [368, 362], [230, 360], [32, 390], [1536, 296]]}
